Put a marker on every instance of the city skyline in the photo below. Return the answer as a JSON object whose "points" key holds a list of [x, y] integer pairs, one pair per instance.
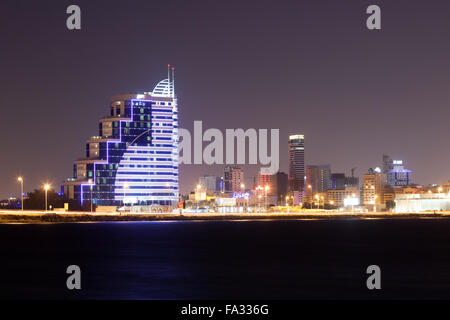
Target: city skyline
{"points": [[317, 71]]}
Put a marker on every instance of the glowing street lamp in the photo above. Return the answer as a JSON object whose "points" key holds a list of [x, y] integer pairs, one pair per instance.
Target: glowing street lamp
{"points": [[170, 206], [20, 179], [46, 187], [266, 189], [259, 202], [246, 198]]}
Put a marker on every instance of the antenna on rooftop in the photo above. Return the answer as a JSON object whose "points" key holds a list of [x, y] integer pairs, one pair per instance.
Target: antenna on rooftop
{"points": [[173, 82], [168, 80]]}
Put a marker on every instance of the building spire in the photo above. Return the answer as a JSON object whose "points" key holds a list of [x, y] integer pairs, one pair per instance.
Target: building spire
{"points": [[173, 82], [168, 80]]}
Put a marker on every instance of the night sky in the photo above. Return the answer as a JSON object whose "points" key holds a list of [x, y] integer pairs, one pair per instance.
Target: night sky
{"points": [[309, 67]]}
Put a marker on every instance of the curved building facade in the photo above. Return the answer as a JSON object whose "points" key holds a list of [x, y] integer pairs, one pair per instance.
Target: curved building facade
{"points": [[134, 158]]}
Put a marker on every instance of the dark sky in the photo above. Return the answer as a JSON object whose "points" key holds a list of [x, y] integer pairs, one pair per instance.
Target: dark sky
{"points": [[309, 67]]}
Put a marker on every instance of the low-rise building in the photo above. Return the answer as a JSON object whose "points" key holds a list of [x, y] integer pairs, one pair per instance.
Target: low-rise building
{"points": [[337, 197]]}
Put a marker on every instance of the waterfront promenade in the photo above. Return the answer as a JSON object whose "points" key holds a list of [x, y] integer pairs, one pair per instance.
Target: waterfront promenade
{"points": [[33, 216]]}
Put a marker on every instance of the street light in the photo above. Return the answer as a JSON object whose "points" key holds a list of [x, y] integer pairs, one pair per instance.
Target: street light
{"points": [[91, 196], [318, 201], [170, 207], [20, 179], [125, 188], [266, 188], [245, 197], [46, 187]]}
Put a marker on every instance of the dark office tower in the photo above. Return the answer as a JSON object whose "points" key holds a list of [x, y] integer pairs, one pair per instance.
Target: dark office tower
{"points": [[296, 172], [337, 181], [134, 158], [281, 184], [227, 178], [388, 164]]}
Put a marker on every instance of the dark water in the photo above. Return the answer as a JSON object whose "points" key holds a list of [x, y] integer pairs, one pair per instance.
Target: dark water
{"points": [[227, 259]]}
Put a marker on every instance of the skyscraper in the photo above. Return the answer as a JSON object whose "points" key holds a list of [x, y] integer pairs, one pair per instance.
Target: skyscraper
{"points": [[296, 170], [388, 164], [319, 178], [237, 179], [227, 178], [337, 181], [209, 183], [134, 159], [398, 176], [372, 188]]}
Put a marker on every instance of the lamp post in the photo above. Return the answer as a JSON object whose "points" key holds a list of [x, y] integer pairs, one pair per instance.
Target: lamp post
{"points": [[266, 189], [125, 188], [91, 196], [46, 187], [259, 203], [318, 200], [20, 179], [167, 186], [287, 203], [198, 196], [245, 198]]}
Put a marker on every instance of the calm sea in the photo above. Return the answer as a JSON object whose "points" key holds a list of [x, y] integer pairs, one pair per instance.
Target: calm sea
{"points": [[303, 259]]}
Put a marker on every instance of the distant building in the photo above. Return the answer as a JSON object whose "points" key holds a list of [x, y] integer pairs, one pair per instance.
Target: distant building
{"points": [[372, 188], [277, 183], [398, 176], [422, 202], [388, 164], [264, 179], [210, 183], [227, 178], [319, 178], [281, 184], [233, 178], [296, 173], [337, 181], [237, 179], [352, 182], [336, 197]]}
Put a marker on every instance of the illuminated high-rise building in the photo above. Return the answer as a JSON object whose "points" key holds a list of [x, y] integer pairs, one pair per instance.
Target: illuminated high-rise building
{"points": [[134, 158], [296, 172]]}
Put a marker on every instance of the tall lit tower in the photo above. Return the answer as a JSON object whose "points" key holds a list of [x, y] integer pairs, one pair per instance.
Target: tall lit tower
{"points": [[296, 172], [134, 158]]}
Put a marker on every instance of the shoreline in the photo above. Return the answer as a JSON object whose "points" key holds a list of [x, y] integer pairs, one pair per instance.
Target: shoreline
{"points": [[8, 217]]}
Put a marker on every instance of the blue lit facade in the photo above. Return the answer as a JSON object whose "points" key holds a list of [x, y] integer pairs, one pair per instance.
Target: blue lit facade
{"points": [[134, 158]]}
